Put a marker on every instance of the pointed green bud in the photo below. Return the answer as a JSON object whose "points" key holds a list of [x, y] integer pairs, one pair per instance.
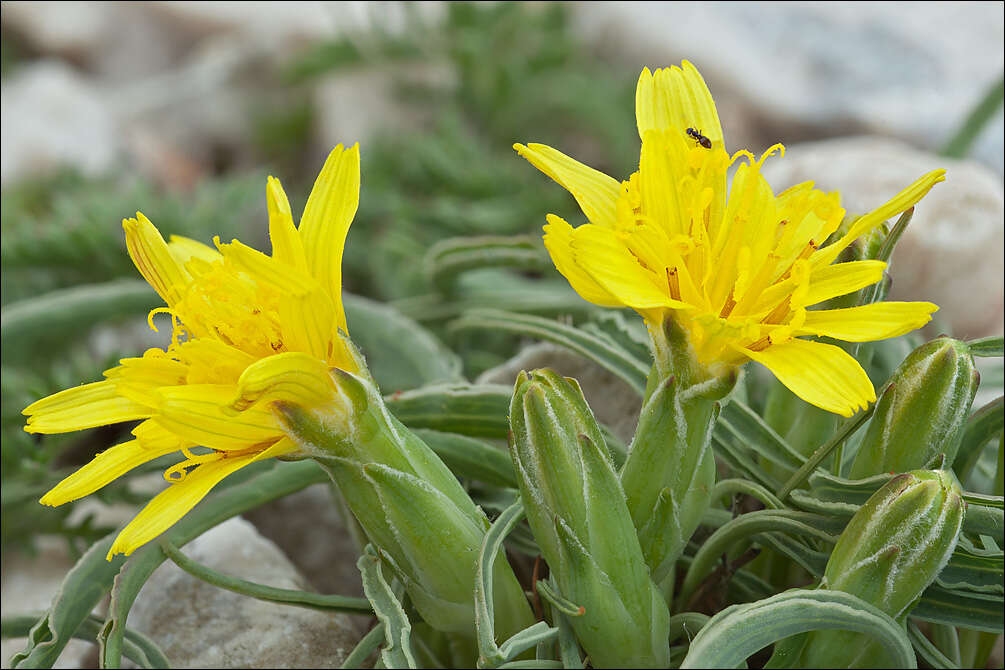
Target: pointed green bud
{"points": [[888, 554], [922, 411], [576, 507], [413, 509], [899, 540]]}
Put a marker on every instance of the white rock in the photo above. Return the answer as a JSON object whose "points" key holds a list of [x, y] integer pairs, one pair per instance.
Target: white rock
{"points": [[308, 526], [951, 253], [201, 626], [53, 117], [29, 583], [613, 402], [908, 70]]}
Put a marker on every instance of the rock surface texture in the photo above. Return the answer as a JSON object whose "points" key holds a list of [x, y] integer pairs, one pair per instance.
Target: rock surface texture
{"points": [[201, 626]]}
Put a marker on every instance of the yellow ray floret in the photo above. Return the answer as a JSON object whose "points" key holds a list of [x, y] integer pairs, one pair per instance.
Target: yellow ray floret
{"points": [[737, 266], [249, 329]]}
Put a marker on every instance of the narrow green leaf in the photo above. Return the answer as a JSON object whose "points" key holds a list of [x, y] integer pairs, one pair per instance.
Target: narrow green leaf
{"points": [[746, 427], [400, 353], [366, 646], [136, 647], [563, 605], [568, 646], [491, 655], [81, 591], [963, 139], [984, 425], [261, 591], [967, 609], [817, 457], [470, 458], [741, 630], [476, 410], [387, 608], [601, 350], [451, 257], [988, 347], [762, 521], [928, 652]]}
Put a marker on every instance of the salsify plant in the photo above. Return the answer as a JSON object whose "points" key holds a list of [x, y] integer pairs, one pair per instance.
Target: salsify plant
{"points": [[709, 541]]}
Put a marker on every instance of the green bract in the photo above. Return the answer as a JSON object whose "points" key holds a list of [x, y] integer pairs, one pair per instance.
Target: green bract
{"points": [[577, 510], [922, 411], [412, 508]]}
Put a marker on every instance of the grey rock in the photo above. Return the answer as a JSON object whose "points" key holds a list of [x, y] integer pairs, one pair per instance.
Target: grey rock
{"points": [[809, 70], [309, 527], [613, 402], [201, 626], [53, 117], [952, 252]]}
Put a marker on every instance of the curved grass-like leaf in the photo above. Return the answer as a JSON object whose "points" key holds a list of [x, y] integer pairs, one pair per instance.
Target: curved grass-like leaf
{"points": [[400, 353], [988, 347], [984, 425], [763, 521], [477, 410], [263, 592], [471, 458], [448, 258], [741, 630], [602, 351], [136, 647], [397, 627], [490, 654]]}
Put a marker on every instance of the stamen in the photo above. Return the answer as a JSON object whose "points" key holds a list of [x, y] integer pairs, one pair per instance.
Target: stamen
{"points": [[673, 284]]}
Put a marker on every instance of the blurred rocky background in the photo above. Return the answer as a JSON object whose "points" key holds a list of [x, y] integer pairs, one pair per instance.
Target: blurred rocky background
{"points": [[181, 109]]}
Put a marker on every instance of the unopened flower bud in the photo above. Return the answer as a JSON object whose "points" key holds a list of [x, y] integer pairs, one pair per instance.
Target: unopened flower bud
{"points": [[922, 411], [577, 510]]}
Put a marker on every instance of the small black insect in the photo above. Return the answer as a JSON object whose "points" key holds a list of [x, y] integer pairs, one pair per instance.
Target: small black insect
{"points": [[699, 138]]}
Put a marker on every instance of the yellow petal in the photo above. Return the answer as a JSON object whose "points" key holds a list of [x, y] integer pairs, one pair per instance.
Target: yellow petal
{"points": [[675, 99], [106, 467], [154, 260], [866, 323], [606, 259], [658, 181], [325, 223], [267, 270], [841, 279], [137, 378], [896, 205], [286, 244], [184, 249], [212, 361], [196, 413], [821, 374], [293, 377], [309, 324], [151, 435], [558, 240], [86, 406], [174, 502], [596, 193]]}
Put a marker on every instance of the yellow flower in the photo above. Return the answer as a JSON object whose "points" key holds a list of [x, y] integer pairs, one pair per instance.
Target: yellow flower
{"points": [[737, 273], [248, 329]]}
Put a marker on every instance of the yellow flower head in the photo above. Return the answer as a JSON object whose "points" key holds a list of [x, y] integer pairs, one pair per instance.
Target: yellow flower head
{"points": [[249, 329], [737, 269]]}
